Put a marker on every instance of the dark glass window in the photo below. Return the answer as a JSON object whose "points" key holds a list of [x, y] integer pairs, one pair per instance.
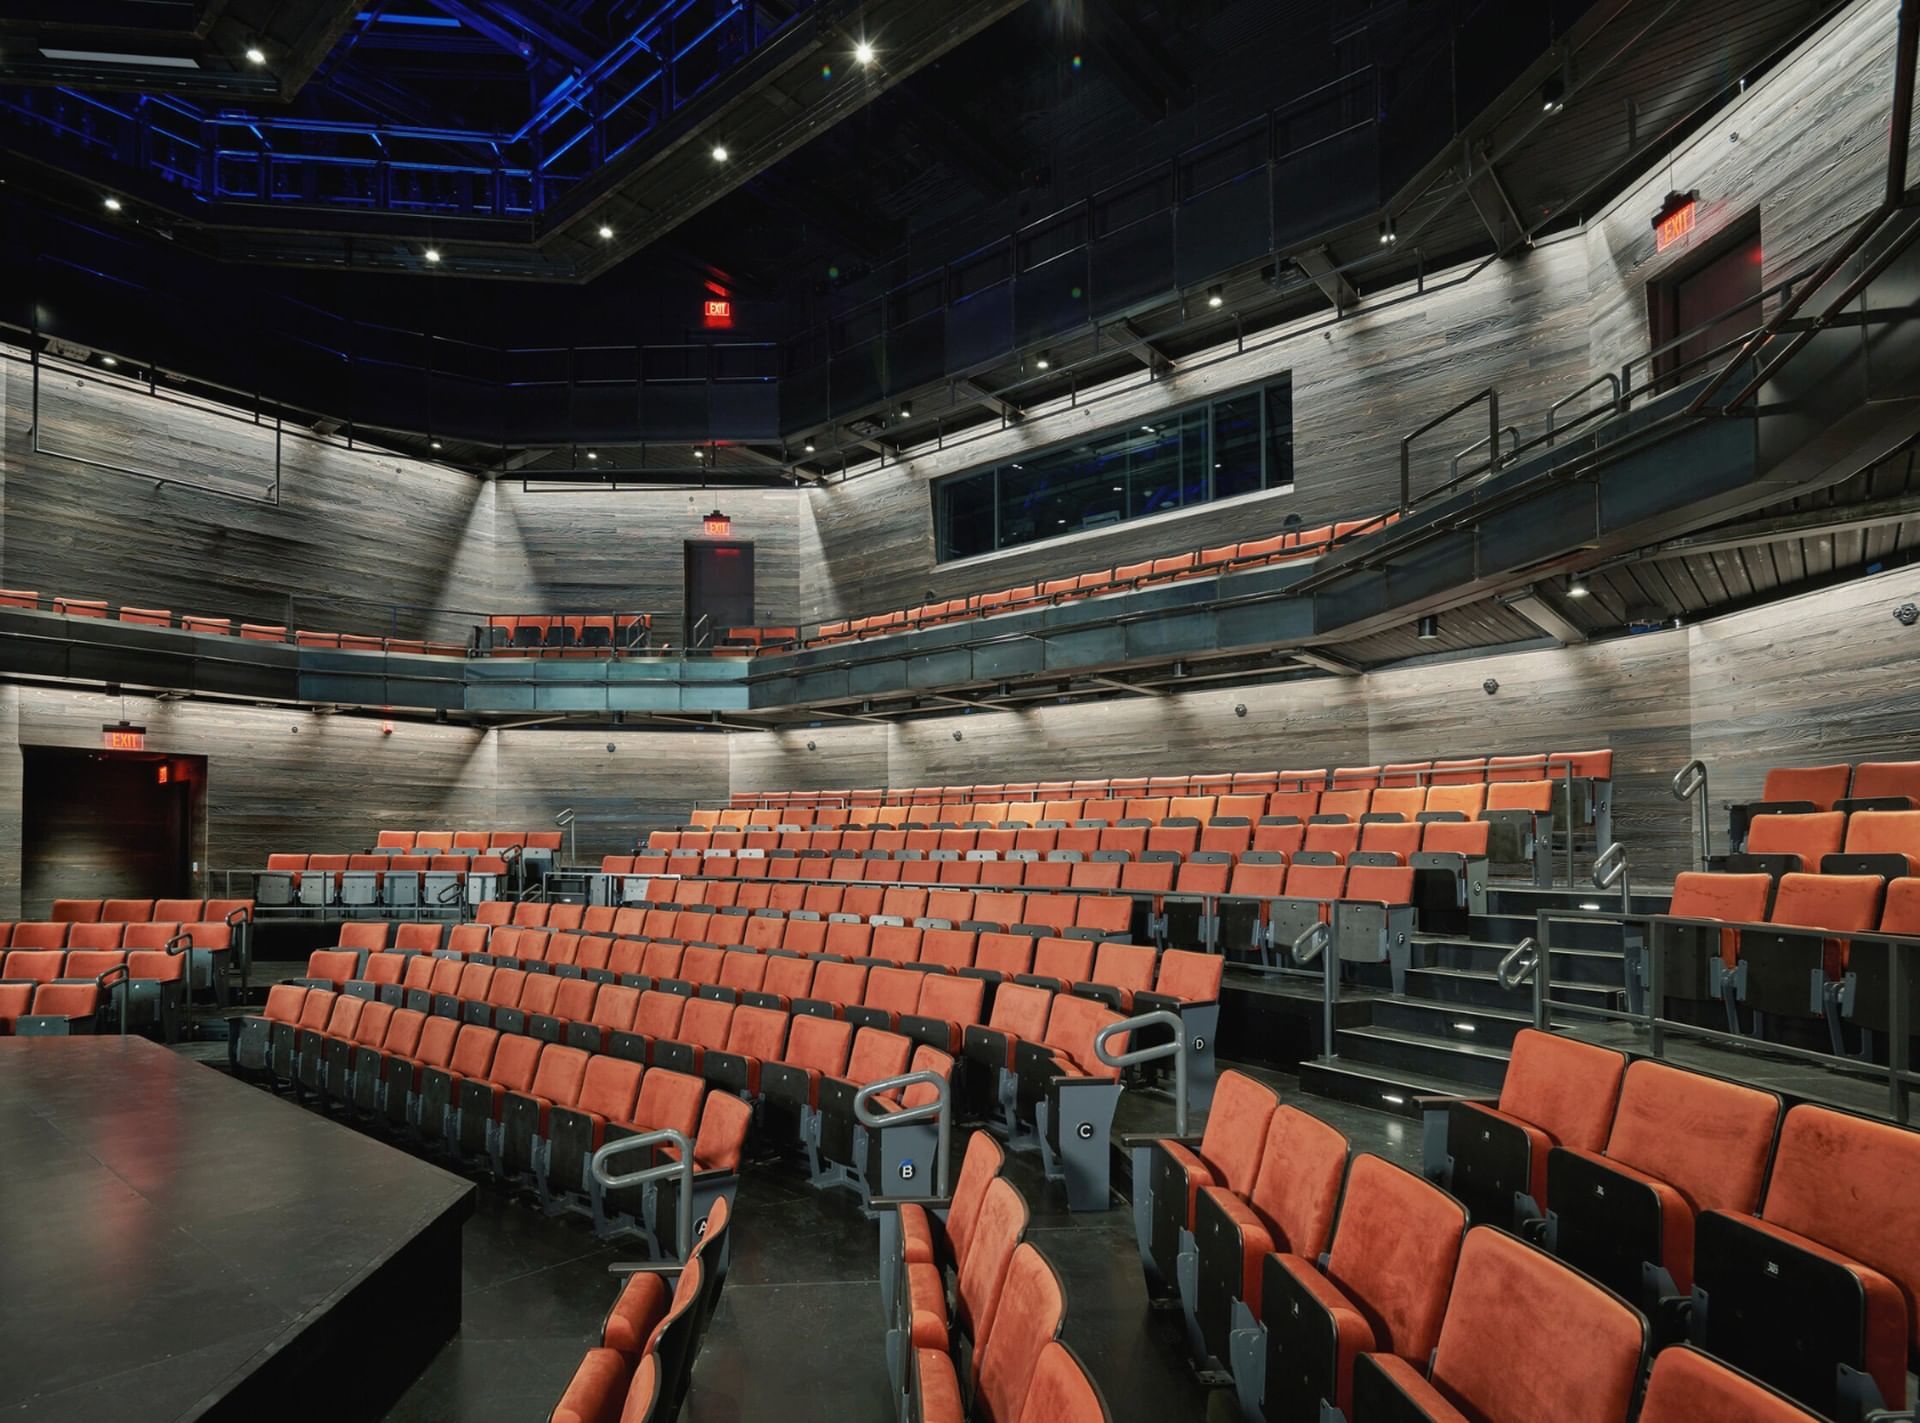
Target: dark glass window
{"points": [[1237, 445]]}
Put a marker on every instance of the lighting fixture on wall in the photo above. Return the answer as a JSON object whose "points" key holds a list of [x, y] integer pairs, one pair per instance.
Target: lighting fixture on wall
{"points": [[1907, 615], [1428, 628], [1239, 708], [956, 736], [1490, 686]]}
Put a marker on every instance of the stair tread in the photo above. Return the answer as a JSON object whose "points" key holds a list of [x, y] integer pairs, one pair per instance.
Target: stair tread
{"points": [[1490, 975], [1416, 1082], [1375, 1033], [1460, 1010]]}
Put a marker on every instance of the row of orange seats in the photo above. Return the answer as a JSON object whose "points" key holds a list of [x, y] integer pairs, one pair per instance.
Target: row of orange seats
{"points": [[1073, 847], [1404, 802], [59, 1007], [1886, 841], [140, 911], [568, 634], [1467, 770], [225, 627], [58, 935], [438, 842], [1285, 547], [1823, 787]]}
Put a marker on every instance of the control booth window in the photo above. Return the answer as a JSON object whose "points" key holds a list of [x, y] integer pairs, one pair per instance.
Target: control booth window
{"points": [[1240, 444]]}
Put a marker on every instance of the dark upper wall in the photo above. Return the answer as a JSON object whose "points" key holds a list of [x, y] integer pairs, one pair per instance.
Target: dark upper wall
{"points": [[1804, 149]]}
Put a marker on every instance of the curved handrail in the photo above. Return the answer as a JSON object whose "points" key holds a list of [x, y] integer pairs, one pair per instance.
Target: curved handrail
{"points": [[681, 1166], [1308, 944], [1606, 378], [1176, 1049], [103, 980], [564, 819], [1690, 783], [451, 893], [1519, 964], [940, 1110], [1611, 867], [1493, 460]]}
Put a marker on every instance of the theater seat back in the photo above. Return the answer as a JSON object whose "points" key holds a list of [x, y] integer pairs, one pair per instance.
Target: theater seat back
{"points": [[1396, 1247], [1297, 1187], [1236, 1130], [1031, 1307], [1567, 1088]]}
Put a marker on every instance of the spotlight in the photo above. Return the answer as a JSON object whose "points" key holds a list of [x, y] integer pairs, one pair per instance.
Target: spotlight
{"points": [[719, 153], [1428, 628], [1042, 361], [256, 55], [906, 410], [1553, 95], [863, 53], [111, 204], [1577, 586], [108, 361], [699, 454], [436, 444], [593, 454], [432, 254], [606, 233], [1387, 235], [809, 446], [1216, 297]]}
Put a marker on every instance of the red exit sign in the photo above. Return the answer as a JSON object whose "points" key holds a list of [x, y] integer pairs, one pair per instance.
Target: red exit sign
{"points": [[1675, 219], [123, 737], [718, 312]]}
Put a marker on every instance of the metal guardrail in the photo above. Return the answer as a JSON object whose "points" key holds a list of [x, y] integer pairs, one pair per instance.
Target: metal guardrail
{"points": [[1519, 964], [1903, 970], [1494, 459], [1690, 783], [939, 1110], [1492, 397], [1176, 1049], [681, 1167], [565, 820], [124, 976], [1611, 869]]}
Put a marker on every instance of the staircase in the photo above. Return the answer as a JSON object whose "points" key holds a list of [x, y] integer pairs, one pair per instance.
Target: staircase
{"points": [[1452, 1030]]}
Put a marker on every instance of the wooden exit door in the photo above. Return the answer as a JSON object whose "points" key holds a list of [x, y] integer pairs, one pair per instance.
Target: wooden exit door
{"points": [[719, 589]]}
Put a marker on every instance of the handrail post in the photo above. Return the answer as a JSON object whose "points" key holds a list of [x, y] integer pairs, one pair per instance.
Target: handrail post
{"points": [[1520, 961], [1176, 1049], [1611, 868], [940, 1110], [681, 1167], [1690, 783], [565, 820], [125, 985]]}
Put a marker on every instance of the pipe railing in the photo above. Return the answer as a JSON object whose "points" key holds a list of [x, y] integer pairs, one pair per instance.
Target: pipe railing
{"points": [[1903, 972], [940, 1110], [1154, 1052], [565, 820], [1690, 783], [1519, 964], [1494, 460], [1312, 943], [124, 977], [1611, 869], [681, 1167], [1613, 405], [1492, 397]]}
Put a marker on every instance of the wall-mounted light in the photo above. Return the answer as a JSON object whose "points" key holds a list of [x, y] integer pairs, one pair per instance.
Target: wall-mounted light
{"points": [[1906, 615], [1490, 686], [956, 736], [1428, 628]]}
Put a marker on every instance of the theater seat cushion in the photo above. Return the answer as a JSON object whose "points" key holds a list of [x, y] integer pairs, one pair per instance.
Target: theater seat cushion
{"points": [[916, 1235], [927, 1297], [939, 1388], [639, 1309]]}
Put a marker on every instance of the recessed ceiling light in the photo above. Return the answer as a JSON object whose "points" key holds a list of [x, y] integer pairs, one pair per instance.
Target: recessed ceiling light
{"points": [[1042, 361], [606, 233], [719, 153], [699, 454], [906, 409], [432, 254], [593, 454], [1116, 489], [1148, 429], [436, 444], [863, 53], [112, 204], [809, 446], [1577, 586], [1216, 297], [256, 55], [108, 361]]}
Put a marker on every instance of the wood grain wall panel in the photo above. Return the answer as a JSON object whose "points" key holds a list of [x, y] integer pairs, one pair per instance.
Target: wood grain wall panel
{"points": [[1805, 149], [328, 786], [1830, 676], [1631, 695], [11, 778], [355, 533], [624, 549], [843, 757], [650, 781], [1519, 324]]}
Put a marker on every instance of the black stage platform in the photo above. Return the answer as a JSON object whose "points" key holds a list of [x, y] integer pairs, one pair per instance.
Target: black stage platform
{"points": [[174, 1244]]}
